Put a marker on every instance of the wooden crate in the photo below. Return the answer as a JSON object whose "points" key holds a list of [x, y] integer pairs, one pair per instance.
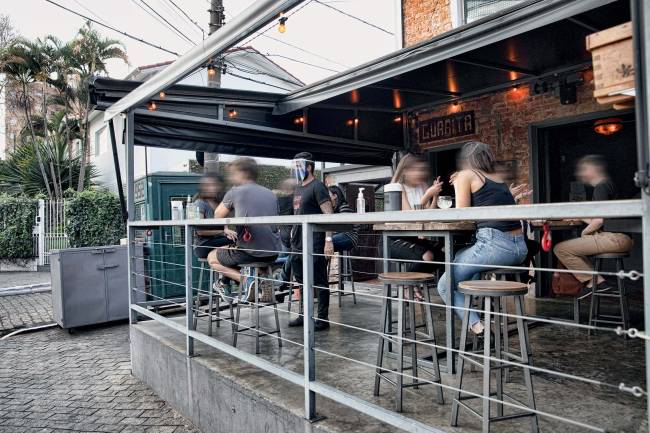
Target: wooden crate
{"points": [[613, 60]]}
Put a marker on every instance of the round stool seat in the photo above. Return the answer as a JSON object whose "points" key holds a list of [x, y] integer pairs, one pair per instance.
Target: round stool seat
{"points": [[611, 256], [492, 288], [506, 271], [406, 277], [257, 264]]}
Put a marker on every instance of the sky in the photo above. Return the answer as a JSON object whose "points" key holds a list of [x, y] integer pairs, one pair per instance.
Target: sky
{"points": [[337, 41]]}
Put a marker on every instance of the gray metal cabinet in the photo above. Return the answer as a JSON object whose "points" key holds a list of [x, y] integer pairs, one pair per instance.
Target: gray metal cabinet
{"points": [[89, 285]]}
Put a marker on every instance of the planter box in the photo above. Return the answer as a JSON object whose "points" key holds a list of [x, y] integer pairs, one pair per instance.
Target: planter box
{"points": [[613, 60], [89, 285]]}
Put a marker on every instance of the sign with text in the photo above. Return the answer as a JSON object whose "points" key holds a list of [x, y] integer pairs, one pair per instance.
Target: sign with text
{"points": [[445, 127]]}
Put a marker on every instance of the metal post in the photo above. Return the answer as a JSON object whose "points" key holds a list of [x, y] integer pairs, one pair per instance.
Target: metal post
{"points": [[640, 20], [116, 164], [308, 318], [41, 232], [130, 206], [189, 298]]}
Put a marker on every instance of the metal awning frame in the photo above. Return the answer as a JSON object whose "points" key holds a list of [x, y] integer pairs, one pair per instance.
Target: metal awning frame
{"points": [[243, 25]]}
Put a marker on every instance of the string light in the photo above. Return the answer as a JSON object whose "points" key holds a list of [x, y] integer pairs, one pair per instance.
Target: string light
{"points": [[232, 113], [299, 120], [282, 27], [397, 119], [162, 94], [152, 106], [352, 122], [212, 71]]}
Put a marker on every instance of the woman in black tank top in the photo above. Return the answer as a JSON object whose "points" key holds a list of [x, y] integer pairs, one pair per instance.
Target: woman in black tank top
{"points": [[498, 243]]}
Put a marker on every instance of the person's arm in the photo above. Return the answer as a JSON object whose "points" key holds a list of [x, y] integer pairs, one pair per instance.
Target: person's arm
{"points": [[223, 210], [593, 225], [463, 188], [322, 196], [206, 233], [430, 198]]}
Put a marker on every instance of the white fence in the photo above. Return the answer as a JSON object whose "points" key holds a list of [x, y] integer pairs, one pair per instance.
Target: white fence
{"points": [[49, 230]]}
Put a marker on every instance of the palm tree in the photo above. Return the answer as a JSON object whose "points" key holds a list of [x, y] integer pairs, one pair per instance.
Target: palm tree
{"points": [[24, 63], [20, 173], [87, 55]]}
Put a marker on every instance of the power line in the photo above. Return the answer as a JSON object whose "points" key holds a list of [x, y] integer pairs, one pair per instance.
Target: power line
{"points": [[161, 22], [188, 17], [302, 62], [354, 17], [135, 38], [259, 81], [170, 24], [305, 51], [90, 11]]}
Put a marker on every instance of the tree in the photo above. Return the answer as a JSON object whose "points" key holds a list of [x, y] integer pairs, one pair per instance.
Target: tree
{"points": [[20, 173], [87, 55], [24, 62]]}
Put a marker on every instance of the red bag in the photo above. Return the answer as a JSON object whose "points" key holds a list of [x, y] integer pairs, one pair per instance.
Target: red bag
{"points": [[565, 284]]}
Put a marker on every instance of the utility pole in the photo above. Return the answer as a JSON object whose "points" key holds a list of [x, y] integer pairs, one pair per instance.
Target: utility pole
{"points": [[217, 20]]}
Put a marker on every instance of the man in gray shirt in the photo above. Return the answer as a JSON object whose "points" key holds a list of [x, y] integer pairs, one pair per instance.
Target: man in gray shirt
{"points": [[255, 243]]}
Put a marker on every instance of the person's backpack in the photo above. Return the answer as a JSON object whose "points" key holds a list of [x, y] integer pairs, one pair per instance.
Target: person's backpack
{"points": [[565, 284]]}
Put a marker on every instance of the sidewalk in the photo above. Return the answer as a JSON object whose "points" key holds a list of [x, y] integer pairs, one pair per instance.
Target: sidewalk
{"points": [[52, 381]]}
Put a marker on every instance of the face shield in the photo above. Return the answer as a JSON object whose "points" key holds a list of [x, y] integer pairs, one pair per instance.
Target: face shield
{"points": [[299, 169]]}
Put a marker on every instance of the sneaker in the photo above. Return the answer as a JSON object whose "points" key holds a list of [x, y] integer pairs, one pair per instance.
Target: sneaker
{"points": [[266, 287], [248, 294], [321, 326], [223, 290], [296, 322]]}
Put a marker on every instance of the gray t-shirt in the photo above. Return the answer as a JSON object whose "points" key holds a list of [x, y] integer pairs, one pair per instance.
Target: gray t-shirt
{"points": [[253, 200]]}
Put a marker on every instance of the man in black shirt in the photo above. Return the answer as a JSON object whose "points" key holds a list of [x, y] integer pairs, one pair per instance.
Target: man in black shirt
{"points": [[311, 197], [574, 254]]}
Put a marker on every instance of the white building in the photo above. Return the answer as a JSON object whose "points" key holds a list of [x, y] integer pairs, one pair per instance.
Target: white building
{"points": [[247, 69]]}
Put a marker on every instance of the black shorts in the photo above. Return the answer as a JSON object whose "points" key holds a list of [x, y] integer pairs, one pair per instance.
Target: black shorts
{"points": [[414, 249], [205, 245], [234, 258]]}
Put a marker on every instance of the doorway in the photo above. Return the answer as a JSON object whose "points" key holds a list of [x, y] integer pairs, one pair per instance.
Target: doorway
{"points": [[443, 163], [555, 149]]}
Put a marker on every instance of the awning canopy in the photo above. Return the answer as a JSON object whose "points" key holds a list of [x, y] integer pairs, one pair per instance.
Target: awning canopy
{"points": [[536, 39], [361, 115], [241, 122]]}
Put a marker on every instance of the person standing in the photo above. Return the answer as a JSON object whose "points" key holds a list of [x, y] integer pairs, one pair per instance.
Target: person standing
{"points": [[254, 243], [311, 197], [574, 253]]}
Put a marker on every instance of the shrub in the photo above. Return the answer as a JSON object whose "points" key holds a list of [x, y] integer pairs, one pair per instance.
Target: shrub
{"points": [[17, 218], [94, 219]]}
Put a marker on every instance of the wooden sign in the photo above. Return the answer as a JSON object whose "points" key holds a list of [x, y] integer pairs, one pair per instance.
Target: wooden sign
{"points": [[445, 127]]}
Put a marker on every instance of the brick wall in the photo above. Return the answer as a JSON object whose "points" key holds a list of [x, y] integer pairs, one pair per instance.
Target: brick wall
{"points": [[424, 19], [503, 119]]}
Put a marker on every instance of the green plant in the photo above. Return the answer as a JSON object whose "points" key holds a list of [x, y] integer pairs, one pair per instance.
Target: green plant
{"points": [[17, 218], [94, 219]]}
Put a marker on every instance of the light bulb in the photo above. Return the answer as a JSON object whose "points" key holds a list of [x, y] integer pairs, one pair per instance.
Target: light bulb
{"points": [[283, 24]]}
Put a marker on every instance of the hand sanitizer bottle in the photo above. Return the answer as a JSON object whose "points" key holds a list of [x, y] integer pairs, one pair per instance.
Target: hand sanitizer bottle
{"points": [[361, 202]]}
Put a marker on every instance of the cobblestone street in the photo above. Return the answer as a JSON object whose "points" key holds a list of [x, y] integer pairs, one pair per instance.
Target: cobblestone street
{"points": [[54, 381], [24, 311]]}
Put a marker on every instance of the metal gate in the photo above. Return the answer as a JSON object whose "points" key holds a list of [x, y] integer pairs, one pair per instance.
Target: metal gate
{"points": [[50, 228]]}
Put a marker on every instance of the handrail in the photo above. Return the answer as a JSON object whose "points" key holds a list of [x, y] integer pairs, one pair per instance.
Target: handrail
{"points": [[604, 209]]}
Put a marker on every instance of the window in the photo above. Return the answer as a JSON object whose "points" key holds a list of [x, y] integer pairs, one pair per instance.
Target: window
{"points": [[474, 10], [98, 140]]}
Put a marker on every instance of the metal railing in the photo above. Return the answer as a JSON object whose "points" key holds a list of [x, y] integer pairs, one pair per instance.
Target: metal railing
{"points": [[316, 223]]}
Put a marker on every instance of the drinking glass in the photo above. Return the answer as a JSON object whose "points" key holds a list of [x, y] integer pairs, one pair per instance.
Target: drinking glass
{"points": [[445, 202]]}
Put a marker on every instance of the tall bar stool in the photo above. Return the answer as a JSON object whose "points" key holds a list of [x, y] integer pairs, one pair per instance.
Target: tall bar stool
{"points": [[346, 274], [406, 281], [214, 299], [595, 316], [493, 294], [505, 274], [255, 308]]}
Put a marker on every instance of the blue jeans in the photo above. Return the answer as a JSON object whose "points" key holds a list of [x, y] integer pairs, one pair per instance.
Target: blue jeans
{"points": [[341, 242], [493, 248]]}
